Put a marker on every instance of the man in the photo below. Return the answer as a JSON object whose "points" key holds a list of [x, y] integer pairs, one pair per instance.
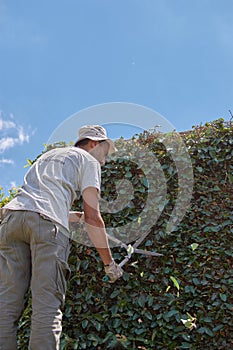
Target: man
{"points": [[34, 236]]}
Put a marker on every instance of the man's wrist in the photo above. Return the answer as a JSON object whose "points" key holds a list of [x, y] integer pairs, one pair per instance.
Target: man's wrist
{"points": [[108, 264]]}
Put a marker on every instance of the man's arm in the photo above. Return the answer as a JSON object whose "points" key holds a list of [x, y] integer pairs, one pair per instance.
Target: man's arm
{"points": [[95, 224]]}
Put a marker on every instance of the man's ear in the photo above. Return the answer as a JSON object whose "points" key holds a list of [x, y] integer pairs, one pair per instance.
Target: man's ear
{"points": [[93, 144]]}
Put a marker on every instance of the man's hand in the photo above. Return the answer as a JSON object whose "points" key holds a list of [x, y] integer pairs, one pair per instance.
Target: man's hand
{"points": [[113, 271]]}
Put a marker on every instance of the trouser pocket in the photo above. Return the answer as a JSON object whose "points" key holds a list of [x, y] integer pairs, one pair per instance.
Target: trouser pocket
{"points": [[63, 274], [3, 227]]}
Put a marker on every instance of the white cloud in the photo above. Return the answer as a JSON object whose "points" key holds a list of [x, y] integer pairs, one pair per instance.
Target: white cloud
{"points": [[6, 124], [11, 134], [13, 184], [6, 161], [22, 137], [6, 143]]}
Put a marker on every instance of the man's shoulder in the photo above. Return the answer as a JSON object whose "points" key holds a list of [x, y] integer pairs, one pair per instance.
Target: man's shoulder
{"points": [[60, 151], [86, 156], [71, 152]]}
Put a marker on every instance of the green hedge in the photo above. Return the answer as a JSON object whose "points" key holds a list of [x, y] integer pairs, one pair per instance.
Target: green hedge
{"points": [[182, 300]]}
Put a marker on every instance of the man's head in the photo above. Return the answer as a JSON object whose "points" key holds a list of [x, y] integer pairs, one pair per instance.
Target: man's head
{"points": [[93, 138]]}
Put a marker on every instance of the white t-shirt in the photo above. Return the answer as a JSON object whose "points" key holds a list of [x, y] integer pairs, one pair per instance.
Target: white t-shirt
{"points": [[54, 181]]}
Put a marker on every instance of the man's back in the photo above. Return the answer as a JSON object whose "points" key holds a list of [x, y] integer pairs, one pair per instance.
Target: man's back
{"points": [[54, 181]]}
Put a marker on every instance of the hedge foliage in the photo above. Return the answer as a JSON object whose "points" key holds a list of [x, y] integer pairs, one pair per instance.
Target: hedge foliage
{"points": [[182, 300]]}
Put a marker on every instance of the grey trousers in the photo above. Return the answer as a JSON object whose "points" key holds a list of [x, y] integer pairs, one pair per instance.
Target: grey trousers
{"points": [[33, 253]]}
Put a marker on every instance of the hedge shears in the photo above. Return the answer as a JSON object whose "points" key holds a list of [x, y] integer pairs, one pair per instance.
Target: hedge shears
{"points": [[131, 249]]}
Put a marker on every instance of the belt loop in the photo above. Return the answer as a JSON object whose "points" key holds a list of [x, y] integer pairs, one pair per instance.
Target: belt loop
{"points": [[56, 231]]}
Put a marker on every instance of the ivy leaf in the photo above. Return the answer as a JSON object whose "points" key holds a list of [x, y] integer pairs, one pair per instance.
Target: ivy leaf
{"points": [[176, 283], [194, 246], [223, 297]]}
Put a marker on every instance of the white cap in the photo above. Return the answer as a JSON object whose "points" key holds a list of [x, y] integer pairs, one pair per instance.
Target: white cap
{"points": [[95, 133]]}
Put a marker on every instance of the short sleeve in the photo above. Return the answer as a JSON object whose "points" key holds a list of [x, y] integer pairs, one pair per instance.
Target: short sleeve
{"points": [[90, 176]]}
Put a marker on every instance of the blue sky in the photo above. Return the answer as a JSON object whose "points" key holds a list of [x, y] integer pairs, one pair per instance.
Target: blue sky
{"points": [[61, 57]]}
